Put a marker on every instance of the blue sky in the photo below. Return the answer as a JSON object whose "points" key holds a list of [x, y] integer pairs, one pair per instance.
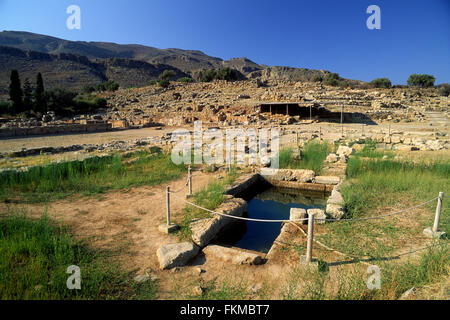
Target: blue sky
{"points": [[322, 34]]}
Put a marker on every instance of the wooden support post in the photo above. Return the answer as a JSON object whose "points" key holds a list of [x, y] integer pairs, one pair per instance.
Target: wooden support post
{"points": [[190, 180], [287, 109], [438, 212], [168, 205], [169, 227], [434, 232], [309, 244], [310, 113], [389, 129]]}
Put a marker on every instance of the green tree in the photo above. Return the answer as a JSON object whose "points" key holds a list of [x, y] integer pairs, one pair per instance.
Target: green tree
{"points": [[27, 94], [164, 83], [15, 92], [164, 78], [186, 79], [167, 75], [111, 85], [331, 79], [227, 74], [381, 83], [444, 89], [208, 75], [317, 78], [40, 102], [60, 100], [421, 80], [88, 89]]}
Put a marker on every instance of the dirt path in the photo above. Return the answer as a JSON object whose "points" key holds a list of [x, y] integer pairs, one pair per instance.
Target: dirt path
{"points": [[125, 219]]}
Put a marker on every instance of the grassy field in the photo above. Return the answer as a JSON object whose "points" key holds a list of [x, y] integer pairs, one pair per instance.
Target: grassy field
{"points": [[313, 156], [35, 255], [375, 186], [350, 284], [210, 198], [90, 176]]}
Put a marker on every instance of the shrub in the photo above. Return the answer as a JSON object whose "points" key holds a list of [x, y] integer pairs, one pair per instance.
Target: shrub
{"points": [[345, 84], [331, 79], [208, 75], [167, 75], [88, 89], [100, 87], [153, 82], [109, 85], [60, 100], [186, 80], [164, 83], [5, 108], [444, 89], [317, 78], [421, 80], [227, 74], [87, 105], [381, 83]]}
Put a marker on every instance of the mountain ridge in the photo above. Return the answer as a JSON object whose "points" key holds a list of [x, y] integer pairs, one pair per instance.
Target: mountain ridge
{"points": [[75, 64]]}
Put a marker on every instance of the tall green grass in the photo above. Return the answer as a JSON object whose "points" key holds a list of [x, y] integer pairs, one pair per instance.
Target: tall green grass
{"points": [[210, 197], [375, 187], [35, 255], [313, 156], [350, 284], [370, 151], [90, 176], [376, 183]]}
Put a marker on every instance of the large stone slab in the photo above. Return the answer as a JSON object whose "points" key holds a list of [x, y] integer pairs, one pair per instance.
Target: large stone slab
{"points": [[335, 211], [298, 175], [327, 180], [319, 215], [297, 214], [176, 255], [233, 255], [300, 185], [205, 230], [345, 151], [336, 198]]}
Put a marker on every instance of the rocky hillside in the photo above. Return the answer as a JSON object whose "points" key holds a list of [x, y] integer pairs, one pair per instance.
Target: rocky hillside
{"points": [[185, 60], [73, 72], [75, 64]]}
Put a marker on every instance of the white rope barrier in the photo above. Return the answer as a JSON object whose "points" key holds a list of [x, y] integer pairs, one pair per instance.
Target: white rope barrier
{"points": [[381, 216], [299, 220], [182, 188], [237, 217]]}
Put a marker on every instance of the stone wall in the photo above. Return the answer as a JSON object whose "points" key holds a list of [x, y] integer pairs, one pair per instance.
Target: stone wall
{"points": [[57, 129]]}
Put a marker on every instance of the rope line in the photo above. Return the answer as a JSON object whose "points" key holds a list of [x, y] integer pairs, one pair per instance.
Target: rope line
{"points": [[182, 188], [236, 217], [328, 248], [361, 259], [381, 216], [299, 220]]}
